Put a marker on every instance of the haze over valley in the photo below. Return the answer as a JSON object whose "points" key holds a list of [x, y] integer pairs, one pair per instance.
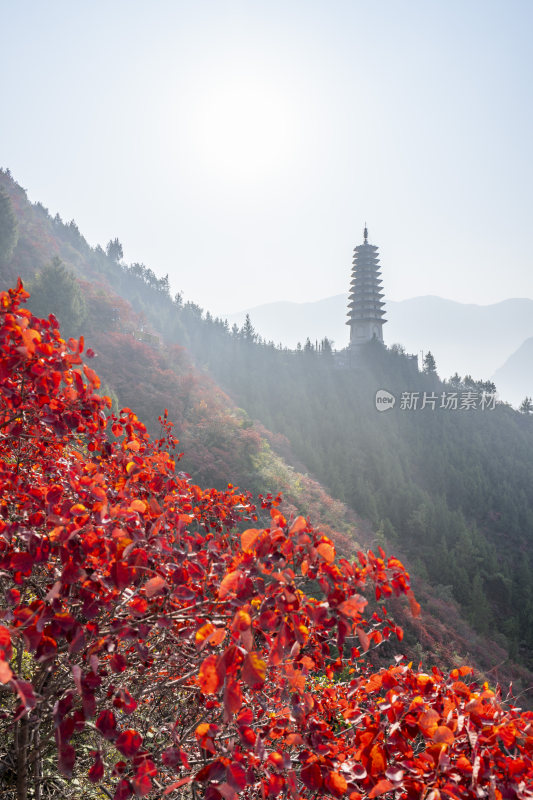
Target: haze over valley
{"points": [[470, 339]]}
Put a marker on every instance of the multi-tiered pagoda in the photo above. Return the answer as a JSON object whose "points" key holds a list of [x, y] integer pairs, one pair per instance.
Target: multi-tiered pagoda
{"points": [[365, 304]]}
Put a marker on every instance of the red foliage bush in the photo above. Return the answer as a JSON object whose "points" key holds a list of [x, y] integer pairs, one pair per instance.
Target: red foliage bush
{"points": [[163, 636]]}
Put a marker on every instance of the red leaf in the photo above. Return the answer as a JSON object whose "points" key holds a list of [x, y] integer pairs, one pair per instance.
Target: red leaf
{"points": [[117, 662], [254, 670], [96, 772], [66, 759], [25, 692], [311, 775], [142, 785], [22, 562], [236, 776], [125, 701], [123, 791], [128, 742], [5, 642], [107, 725], [232, 698]]}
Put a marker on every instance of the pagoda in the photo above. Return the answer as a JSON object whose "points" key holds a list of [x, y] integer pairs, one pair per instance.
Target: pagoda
{"points": [[365, 303]]}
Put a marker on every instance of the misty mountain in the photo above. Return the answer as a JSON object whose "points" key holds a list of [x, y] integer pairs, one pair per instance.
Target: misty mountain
{"points": [[463, 337], [514, 379]]}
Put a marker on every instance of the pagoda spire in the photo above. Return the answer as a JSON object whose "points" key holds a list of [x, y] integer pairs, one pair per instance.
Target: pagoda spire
{"points": [[365, 303]]}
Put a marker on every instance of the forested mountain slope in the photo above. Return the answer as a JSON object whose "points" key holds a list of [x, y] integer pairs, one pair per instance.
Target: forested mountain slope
{"points": [[462, 336], [450, 490]]}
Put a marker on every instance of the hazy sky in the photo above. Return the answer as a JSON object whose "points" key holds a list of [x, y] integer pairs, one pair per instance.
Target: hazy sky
{"points": [[240, 146]]}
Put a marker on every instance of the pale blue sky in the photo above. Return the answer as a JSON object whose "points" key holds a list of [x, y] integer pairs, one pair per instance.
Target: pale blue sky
{"points": [[240, 146]]}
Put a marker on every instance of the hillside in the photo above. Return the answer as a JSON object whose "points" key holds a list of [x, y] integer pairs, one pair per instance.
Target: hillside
{"points": [[464, 337], [515, 377], [157, 352]]}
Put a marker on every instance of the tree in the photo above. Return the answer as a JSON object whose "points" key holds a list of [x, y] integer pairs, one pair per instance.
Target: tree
{"points": [[114, 250], [8, 228], [326, 348], [150, 639], [430, 367], [55, 290], [248, 333], [526, 406], [455, 381]]}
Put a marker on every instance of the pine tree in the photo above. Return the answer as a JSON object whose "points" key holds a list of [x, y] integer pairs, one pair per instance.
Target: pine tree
{"points": [[55, 290], [526, 406], [248, 331], [114, 250], [430, 367]]}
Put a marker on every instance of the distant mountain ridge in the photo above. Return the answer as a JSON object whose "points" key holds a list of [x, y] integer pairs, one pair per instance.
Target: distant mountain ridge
{"points": [[514, 379], [463, 337]]}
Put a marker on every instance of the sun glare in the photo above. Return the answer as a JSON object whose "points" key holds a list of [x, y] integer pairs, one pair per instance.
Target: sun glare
{"points": [[243, 131]]}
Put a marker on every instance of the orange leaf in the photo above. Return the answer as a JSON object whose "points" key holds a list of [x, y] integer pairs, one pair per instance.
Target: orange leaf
{"points": [[327, 551], [137, 505], [229, 583], [381, 787], [364, 638], [278, 517], [203, 633], [293, 739], [91, 376], [443, 735], [414, 606], [298, 525], [296, 678], [208, 676], [154, 586], [177, 784], [217, 636], [377, 761], [29, 337], [336, 783], [429, 722], [353, 606], [202, 730], [241, 621], [5, 672], [249, 538]]}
